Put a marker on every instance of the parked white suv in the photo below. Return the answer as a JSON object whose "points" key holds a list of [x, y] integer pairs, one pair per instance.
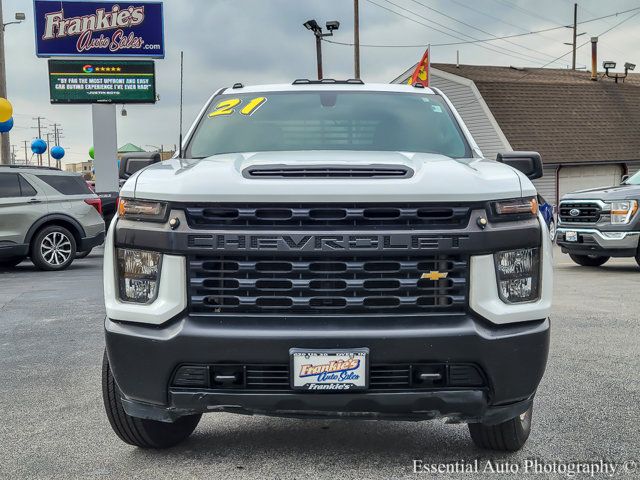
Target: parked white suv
{"points": [[328, 249], [46, 215]]}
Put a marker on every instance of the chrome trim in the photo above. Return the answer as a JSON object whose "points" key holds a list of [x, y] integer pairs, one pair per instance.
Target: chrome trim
{"points": [[627, 240]]}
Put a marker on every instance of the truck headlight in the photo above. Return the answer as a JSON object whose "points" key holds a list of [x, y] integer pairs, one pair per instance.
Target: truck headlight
{"points": [[517, 207], [623, 211], [142, 210], [518, 275], [138, 275]]}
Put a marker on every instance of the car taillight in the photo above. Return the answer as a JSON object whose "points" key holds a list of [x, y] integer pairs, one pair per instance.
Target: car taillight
{"points": [[95, 203]]}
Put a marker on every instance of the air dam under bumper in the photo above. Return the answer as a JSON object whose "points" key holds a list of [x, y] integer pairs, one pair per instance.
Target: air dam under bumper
{"points": [[512, 358]]}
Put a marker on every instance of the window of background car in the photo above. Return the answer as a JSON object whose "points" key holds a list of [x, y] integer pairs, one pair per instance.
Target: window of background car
{"points": [[66, 184], [9, 185], [26, 188], [328, 120]]}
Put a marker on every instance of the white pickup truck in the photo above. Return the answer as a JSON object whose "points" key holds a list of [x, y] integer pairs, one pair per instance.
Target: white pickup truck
{"points": [[328, 249]]}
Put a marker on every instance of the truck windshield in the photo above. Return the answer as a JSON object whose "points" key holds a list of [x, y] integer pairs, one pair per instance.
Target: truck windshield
{"points": [[323, 120]]}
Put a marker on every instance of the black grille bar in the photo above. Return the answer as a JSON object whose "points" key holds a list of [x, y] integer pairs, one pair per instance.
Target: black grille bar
{"points": [[277, 376], [327, 171], [291, 283], [326, 216]]}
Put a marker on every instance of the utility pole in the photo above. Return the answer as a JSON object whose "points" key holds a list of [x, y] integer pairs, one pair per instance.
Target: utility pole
{"points": [[48, 150], [575, 35], [56, 138], [5, 142], [13, 154], [26, 155], [39, 127], [356, 39]]}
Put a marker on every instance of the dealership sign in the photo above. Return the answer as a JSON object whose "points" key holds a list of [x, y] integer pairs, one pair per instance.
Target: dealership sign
{"points": [[94, 29], [80, 81]]}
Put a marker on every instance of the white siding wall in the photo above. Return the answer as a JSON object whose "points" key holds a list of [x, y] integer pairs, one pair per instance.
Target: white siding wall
{"points": [[474, 116], [546, 185]]}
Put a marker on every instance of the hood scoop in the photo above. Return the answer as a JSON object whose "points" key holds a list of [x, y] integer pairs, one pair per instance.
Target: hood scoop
{"points": [[327, 171]]}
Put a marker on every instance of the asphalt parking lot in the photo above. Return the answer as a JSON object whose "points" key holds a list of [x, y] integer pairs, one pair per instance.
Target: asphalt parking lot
{"points": [[53, 426]]}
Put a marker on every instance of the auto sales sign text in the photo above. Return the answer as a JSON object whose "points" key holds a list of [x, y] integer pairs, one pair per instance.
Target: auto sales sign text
{"points": [[94, 29]]}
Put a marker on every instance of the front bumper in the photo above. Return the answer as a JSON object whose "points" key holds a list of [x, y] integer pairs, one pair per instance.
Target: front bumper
{"points": [[594, 242], [512, 359]]}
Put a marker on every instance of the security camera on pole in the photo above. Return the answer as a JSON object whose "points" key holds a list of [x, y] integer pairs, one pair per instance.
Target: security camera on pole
{"points": [[313, 26]]}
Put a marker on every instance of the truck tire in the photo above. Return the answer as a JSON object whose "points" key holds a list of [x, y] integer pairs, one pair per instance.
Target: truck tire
{"points": [[141, 432], [589, 260], [53, 248], [508, 436]]}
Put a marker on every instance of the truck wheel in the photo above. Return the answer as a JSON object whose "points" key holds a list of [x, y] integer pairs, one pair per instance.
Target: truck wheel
{"points": [[137, 431], [53, 248], [508, 436], [589, 260]]}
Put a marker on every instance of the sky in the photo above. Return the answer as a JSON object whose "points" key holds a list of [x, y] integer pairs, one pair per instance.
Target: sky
{"points": [[263, 41]]}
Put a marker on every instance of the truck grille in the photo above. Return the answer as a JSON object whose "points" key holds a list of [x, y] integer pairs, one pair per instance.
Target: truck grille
{"points": [[278, 376], [292, 283], [326, 216], [586, 212]]}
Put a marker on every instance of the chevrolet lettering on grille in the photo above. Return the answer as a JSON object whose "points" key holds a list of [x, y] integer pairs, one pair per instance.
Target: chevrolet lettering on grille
{"points": [[315, 243]]}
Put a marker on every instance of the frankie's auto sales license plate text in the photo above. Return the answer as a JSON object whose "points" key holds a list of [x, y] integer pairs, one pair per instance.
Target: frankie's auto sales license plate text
{"points": [[329, 370]]}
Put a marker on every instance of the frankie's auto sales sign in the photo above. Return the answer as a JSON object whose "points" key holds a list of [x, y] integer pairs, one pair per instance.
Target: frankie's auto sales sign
{"points": [[96, 29]]}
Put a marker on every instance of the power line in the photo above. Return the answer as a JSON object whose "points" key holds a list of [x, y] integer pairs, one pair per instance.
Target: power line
{"points": [[561, 56], [588, 41], [513, 53], [527, 12], [448, 44], [477, 28]]}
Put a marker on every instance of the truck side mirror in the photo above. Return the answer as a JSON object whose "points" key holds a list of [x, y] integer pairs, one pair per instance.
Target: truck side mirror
{"points": [[132, 162], [529, 163], [624, 179]]}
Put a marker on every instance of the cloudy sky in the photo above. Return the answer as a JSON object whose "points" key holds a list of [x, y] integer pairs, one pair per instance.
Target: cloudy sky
{"points": [[263, 41]]}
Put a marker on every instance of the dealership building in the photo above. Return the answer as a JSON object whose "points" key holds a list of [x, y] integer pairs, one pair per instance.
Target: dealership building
{"points": [[588, 132]]}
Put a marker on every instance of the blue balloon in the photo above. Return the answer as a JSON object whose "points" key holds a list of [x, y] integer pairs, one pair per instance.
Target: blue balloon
{"points": [[57, 152], [38, 146], [6, 126]]}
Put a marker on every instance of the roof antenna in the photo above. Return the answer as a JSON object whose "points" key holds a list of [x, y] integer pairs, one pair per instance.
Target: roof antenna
{"points": [[181, 98]]}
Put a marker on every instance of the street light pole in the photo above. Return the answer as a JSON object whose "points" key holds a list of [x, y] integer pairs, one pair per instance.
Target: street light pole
{"points": [[5, 144], [319, 56], [316, 29]]}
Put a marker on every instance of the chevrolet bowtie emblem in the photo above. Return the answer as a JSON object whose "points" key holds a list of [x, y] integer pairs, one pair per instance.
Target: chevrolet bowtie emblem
{"points": [[434, 276]]}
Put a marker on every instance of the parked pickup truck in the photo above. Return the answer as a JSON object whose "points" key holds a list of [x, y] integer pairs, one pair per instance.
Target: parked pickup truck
{"points": [[328, 249], [597, 224]]}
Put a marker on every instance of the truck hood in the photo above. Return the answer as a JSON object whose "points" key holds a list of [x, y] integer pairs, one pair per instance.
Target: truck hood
{"points": [[436, 178], [618, 192]]}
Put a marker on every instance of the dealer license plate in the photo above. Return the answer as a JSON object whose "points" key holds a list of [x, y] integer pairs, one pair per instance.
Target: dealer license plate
{"points": [[329, 370], [571, 236]]}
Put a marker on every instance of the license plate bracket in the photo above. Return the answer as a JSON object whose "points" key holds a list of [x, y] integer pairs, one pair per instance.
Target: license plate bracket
{"points": [[329, 370]]}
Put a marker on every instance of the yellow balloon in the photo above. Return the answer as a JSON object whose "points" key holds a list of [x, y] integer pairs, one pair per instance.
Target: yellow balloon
{"points": [[6, 110]]}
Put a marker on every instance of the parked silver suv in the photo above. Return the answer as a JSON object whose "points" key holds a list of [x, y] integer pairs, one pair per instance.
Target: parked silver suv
{"points": [[47, 215]]}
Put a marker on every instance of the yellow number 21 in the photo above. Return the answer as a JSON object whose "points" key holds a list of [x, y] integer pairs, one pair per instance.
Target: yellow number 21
{"points": [[227, 107]]}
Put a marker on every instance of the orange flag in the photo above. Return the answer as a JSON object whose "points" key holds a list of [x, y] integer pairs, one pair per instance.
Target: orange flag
{"points": [[421, 74]]}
